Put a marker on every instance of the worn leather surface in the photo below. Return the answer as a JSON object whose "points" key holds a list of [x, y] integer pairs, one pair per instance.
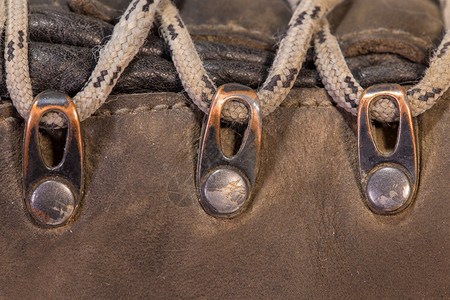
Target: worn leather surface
{"points": [[307, 234], [140, 232], [401, 30], [235, 41]]}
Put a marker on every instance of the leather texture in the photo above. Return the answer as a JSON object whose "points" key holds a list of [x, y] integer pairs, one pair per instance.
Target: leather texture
{"points": [[234, 49], [362, 30], [141, 233]]}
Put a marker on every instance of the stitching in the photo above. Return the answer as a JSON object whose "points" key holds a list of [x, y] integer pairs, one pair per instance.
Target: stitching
{"points": [[178, 106], [182, 105], [141, 109], [346, 37], [126, 110]]}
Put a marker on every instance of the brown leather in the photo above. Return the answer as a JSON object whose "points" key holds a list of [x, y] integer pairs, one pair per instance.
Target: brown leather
{"points": [[96, 9], [141, 233], [233, 48], [224, 20], [404, 27]]}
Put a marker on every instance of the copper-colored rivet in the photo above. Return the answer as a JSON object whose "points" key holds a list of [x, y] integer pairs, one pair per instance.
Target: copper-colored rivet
{"points": [[225, 183], [389, 181], [52, 194]]}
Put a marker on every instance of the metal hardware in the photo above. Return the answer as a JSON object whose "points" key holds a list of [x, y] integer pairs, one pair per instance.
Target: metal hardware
{"points": [[225, 183], [389, 181], [52, 194]]}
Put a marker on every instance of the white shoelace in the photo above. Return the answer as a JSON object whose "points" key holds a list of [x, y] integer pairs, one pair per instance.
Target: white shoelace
{"points": [[130, 33], [282, 75], [346, 91], [128, 36]]}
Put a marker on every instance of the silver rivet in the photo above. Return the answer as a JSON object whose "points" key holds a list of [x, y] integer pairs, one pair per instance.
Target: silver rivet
{"points": [[225, 183], [52, 194], [225, 190], [52, 203], [388, 189]]}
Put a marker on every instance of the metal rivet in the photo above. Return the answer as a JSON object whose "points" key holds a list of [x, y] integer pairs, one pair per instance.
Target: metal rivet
{"points": [[52, 203], [225, 191], [52, 194], [389, 181], [225, 183], [388, 189]]}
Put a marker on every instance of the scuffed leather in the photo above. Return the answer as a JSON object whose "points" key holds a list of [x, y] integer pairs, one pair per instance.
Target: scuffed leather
{"points": [[227, 58], [405, 27], [96, 9], [70, 42], [141, 232]]}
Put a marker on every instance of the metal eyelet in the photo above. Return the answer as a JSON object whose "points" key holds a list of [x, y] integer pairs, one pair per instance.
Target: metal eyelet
{"points": [[52, 194], [225, 183], [389, 181]]}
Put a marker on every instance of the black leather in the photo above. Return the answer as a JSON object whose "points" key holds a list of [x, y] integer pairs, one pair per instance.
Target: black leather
{"points": [[64, 46]]}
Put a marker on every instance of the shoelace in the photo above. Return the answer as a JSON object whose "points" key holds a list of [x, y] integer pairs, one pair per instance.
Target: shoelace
{"points": [[132, 29], [346, 91], [282, 75], [330, 62], [128, 36]]}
